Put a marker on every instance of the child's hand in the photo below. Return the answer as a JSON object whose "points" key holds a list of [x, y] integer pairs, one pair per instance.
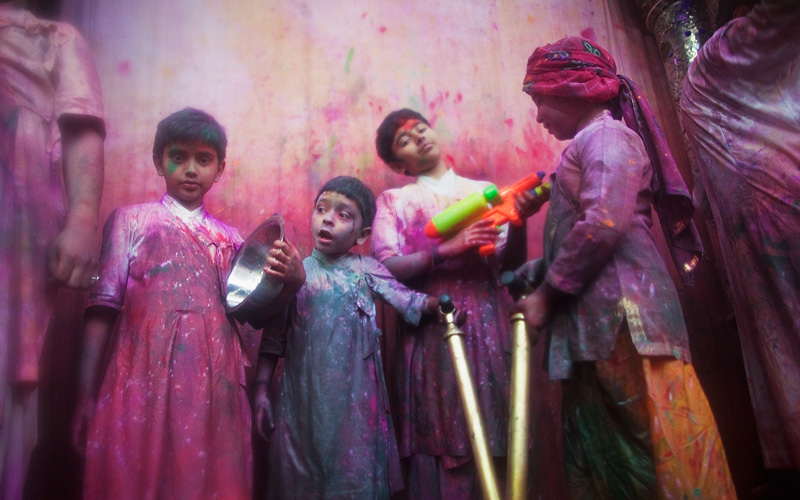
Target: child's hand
{"points": [[263, 412], [526, 204], [538, 307], [432, 307], [476, 235], [285, 263]]}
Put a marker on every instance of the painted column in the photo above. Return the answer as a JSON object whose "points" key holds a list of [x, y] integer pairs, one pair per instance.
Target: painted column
{"points": [[680, 28]]}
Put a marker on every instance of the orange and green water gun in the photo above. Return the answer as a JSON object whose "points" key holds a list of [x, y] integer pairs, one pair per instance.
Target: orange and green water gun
{"points": [[490, 203]]}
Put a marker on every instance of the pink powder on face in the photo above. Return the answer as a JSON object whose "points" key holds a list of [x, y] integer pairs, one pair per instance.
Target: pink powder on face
{"points": [[409, 125]]}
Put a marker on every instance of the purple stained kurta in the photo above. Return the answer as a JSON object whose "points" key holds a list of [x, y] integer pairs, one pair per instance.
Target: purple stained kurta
{"points": [[430, 413], [598, 247], [334, 437], [741, 111], [172, 418]]}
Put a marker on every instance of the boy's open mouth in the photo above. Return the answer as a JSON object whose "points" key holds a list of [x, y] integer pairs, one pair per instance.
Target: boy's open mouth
{"points": [[324, 235]]}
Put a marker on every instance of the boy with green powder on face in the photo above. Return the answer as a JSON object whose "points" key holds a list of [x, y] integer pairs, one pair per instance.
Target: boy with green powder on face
{"points": [[172, 418]]}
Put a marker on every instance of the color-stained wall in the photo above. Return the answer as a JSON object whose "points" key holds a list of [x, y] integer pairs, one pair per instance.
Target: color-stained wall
{"points": [[302, 85]]}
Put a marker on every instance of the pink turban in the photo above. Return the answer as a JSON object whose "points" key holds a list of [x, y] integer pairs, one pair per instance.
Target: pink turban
{"points": [[572, 67], [575, 67]]}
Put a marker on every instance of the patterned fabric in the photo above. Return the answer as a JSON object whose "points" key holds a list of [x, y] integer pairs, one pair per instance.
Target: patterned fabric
{"points": [[46, 71], [572, 67], [334, 437], [740, 105], [575, 67], [622, 412], [172, 417], [431, 418]]}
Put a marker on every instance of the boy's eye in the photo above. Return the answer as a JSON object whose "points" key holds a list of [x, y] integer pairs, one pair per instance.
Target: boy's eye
{"points": [[176, 157], [204, 160], [345, 215]]}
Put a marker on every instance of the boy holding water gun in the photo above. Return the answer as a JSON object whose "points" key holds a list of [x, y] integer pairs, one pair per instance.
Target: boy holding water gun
{"points": [[636, 423], [433, 432]]}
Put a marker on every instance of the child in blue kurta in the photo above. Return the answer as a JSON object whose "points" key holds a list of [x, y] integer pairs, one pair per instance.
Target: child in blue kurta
{"points": [[333, 434]]}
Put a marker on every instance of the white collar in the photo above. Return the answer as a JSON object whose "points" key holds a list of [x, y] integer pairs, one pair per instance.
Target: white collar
{"points": [[182, 212], [446, 184]]}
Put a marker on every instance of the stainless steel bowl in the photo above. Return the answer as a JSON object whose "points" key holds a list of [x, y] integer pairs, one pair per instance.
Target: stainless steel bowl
{"points": [[247, 281]]}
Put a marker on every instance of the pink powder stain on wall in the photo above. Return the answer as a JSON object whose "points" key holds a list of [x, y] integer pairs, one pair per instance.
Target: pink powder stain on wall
{"points": [[124, 68], [589, 34]]}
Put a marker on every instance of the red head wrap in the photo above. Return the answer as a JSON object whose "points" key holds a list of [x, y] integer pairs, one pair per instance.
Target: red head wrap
{"points": [[572, 67], [575, 67]]}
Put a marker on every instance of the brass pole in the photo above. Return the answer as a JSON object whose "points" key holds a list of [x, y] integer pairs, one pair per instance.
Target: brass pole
{"points": [[466, 387], [519, 412], [518, 425]]}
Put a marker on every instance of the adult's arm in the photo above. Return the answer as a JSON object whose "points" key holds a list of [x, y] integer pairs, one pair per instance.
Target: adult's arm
{"points": [[72, 258]]}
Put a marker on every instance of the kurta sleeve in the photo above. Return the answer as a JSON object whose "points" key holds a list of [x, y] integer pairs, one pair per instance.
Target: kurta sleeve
{"points": [[78, 84], [407, 302], [115, 256], [276, 331], [387, 238], [612, 165]]}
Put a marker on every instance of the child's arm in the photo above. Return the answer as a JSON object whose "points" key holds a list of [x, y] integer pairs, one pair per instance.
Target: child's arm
{"points": [[515, 253], [405, 267], [98, 322], [262, 407]]}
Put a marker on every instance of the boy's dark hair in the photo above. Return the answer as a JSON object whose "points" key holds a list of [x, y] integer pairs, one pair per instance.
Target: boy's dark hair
{"points": [[385, 134], [356, 191], [189, 124]]}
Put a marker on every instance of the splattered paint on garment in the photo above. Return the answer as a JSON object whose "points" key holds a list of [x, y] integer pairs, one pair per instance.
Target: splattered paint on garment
{"points": [[172, 418], [431, 418], [334, 436], [740, 109]]}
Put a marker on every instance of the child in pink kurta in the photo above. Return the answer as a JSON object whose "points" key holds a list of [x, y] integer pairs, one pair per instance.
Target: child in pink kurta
{"points": [[172, 417]]}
